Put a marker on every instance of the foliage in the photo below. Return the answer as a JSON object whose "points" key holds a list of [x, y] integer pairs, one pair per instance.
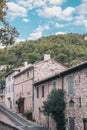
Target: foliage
{"points": [[28, 115], [2, 9], [20, 103], [7, 33], [63, 48], [55, 106], [2, 84]]}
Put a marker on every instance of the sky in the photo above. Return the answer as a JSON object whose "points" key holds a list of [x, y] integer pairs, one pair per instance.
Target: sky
{"points": [[37, 18]]}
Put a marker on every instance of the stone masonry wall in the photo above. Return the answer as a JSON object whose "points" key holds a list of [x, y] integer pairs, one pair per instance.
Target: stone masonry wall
{"points": [[79, 110]]}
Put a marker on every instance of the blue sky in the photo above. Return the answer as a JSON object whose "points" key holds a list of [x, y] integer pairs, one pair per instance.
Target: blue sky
{"points": [[37, 18]]}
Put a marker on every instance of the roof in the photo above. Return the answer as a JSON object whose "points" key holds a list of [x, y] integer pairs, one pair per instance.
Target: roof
{"points": [[10, 72], [63, 73], [23, 71], [47, 68]]}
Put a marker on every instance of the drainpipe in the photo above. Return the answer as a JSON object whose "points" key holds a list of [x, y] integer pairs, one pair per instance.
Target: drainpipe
{"points": [[33, 92]]}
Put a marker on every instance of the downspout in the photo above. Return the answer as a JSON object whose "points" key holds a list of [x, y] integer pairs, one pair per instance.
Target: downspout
{"points": [[33, 92], [13, 93]]}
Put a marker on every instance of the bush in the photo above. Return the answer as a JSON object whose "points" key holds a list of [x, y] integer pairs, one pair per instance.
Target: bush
{"points": [[55, 107], [28, 115]]}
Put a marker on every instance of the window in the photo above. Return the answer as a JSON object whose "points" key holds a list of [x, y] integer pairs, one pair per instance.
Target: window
{"points": [[42, 90], [37, 92], [70, 85], [85, 123], [71, 123], [79, 101], [54, 85], [79, 78]]}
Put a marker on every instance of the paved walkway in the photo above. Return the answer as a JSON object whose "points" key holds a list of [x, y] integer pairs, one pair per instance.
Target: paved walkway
{"points": [[19, 121]]}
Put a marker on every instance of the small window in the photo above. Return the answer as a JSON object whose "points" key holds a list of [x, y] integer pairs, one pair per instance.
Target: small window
{"points": [[42, 90], [79, 79], [79, 101], [70, 85], [37, 92], [54, 85]]}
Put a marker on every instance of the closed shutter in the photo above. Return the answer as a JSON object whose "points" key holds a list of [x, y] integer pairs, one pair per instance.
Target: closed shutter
{"points": [[70, 85]]}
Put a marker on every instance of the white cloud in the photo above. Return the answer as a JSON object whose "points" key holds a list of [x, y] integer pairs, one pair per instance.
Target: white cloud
{"points": [[38, 3], [58, 33], [38, 32], [55, 2], [56, 11], [82, 8], [81, 14], [15, 10], [68, 11], [81, 20], [44, 8], [30, 4], [48, 12], [25, 20], [26, 3], [57, 25]]}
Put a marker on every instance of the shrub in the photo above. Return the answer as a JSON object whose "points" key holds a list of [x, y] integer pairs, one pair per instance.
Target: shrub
{"points": [[55, 107], [28, 115]]}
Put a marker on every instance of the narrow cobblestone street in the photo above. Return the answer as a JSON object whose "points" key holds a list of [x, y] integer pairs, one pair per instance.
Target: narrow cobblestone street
{"points": [[16, 120]]}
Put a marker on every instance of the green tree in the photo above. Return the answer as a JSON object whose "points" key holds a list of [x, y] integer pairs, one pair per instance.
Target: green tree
{"points": [[7, 33], [55, 106]]}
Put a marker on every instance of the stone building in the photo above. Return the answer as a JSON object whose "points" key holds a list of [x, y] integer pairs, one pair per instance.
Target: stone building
{"points": [[24, 80], [23, 90], [9, 88], [74, 82]]}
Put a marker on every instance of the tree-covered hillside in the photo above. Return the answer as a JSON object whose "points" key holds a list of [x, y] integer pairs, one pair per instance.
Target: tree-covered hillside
{"points": [[68, 49]]}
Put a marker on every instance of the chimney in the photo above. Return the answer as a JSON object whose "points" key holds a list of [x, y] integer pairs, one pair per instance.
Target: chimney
{"points": [[25, 64], [46, 57]]}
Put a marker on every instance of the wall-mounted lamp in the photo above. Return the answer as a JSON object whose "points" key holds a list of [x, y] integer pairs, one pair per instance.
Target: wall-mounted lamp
{"points": [[71, 103]]}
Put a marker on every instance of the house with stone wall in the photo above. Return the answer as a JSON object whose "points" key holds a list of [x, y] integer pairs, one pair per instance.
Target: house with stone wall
{"points": [[74, 82], [24, 80], [9, 88], [23, 90]]}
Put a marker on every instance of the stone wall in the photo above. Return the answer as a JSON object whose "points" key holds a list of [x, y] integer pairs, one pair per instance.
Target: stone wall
{"points": [[44, 121], [79, 96], [78, 112]]}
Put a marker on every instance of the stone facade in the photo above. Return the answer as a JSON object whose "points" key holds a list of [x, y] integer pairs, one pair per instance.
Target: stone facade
{"points": [[38, 102], [74, 82], [9, 88], [78, 112], [23, 84], [23, 89], [47, 68]]}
